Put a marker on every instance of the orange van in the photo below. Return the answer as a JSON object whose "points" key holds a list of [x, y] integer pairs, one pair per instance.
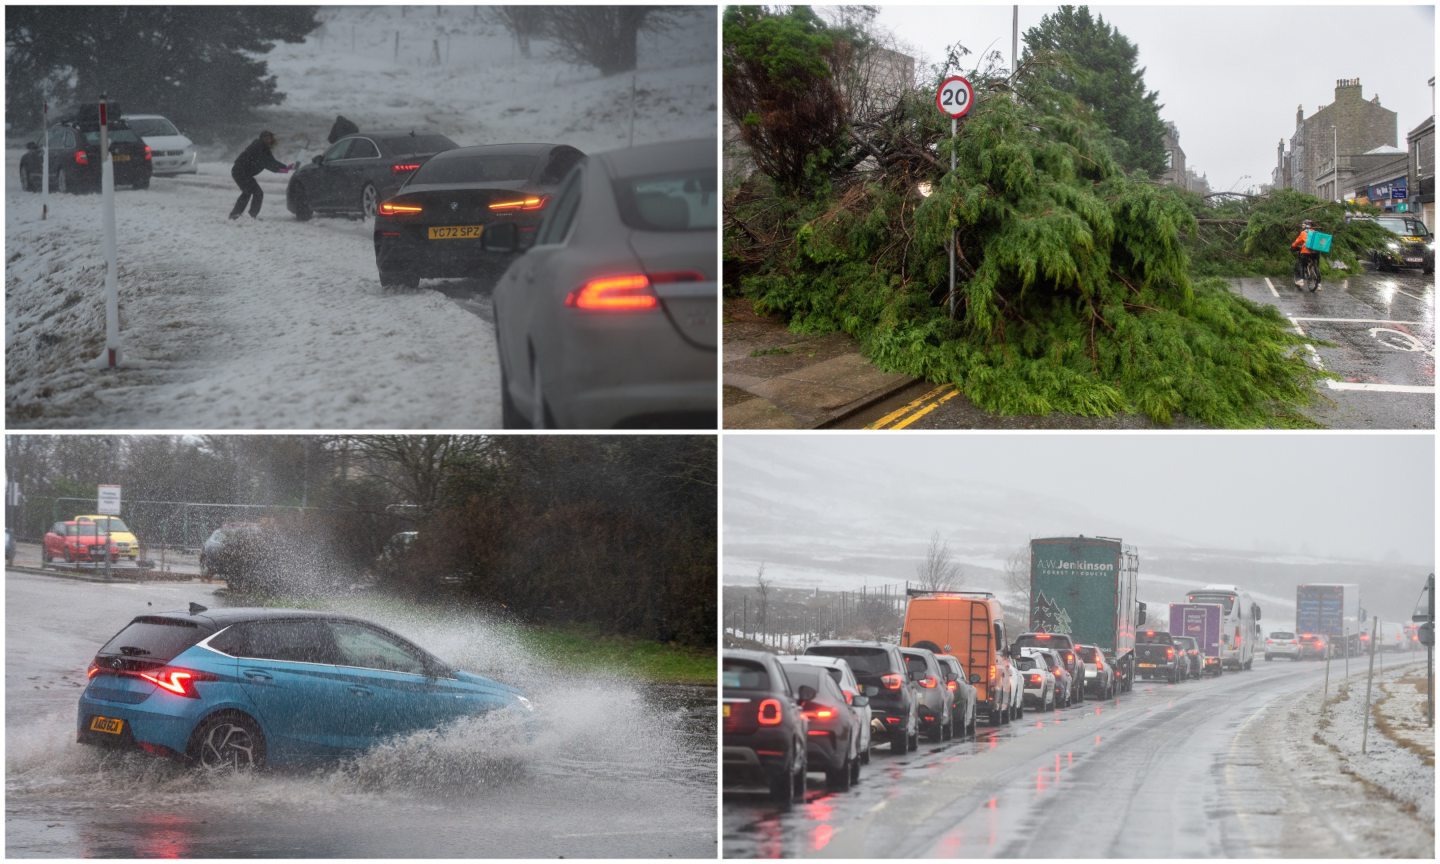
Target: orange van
{"points": [[971, 626]]}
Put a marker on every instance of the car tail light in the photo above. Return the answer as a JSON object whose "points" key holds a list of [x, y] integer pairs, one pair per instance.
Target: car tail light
{"points": [[1042, 635], [849, 697], [179, 681], [770, 714], [1169, 653], [81, 158], [397, 208], [614, 294], [1035, 679], [404, 167], [951, 686], [820, 714], [1269, 642], [1099, 663], [928, 682], [529, 202], [148, 153], [93, 670], [891, 681]]}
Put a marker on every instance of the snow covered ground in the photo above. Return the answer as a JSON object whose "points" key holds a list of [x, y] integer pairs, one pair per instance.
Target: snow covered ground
{"points": [[282, 325]]}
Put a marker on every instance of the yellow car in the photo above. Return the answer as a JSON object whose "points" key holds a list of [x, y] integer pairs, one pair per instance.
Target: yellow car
{"points": [[119, 534]]}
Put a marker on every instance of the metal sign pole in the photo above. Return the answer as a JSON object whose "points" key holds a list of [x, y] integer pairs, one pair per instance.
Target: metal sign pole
{"points": [[112, 287], [954, 125], [45, 162], [1365, 732]]}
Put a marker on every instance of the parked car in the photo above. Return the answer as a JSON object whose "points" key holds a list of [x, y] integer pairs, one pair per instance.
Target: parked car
{"points": [[1189, 649], [969, 625], [883, 676], [170, 151], [75, 156], [1017, 692], [1099, 672], [76, 541], [1157, 656], [859, 703], [935, 700], [832, 741], [1039, 682], [1412, 246], [763, 732], [359, 171], [431, 228], [1064, 681], [120, 533], [232, 689], [1313, 646], [962, 696], [609, 319], [234, 552], [1064, 647], [9, 547]]}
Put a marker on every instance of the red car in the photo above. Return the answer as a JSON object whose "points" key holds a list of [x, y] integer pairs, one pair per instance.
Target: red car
{"points": [[76, 541]]}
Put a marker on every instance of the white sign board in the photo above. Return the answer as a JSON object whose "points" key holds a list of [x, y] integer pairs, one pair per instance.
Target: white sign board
{"points": [[954, 97], [107, 501]]}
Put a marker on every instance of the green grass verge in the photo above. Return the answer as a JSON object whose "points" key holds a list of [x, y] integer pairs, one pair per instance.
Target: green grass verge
{"points": [[591, 650]]}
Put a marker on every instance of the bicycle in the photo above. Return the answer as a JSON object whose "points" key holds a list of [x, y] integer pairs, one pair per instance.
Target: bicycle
{"points": [[1310, 272]]}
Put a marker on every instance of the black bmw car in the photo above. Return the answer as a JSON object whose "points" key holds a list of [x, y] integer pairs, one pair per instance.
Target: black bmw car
{"points": [[75, 156], [358, 172], [431, 229]]}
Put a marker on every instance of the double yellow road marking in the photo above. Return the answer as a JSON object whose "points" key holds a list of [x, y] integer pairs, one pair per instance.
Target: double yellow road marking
{"points": [[902, 417]]}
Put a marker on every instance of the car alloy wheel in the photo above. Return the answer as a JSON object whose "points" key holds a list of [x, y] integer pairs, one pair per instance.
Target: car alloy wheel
{"points": [[369, 201], [229, 744]]}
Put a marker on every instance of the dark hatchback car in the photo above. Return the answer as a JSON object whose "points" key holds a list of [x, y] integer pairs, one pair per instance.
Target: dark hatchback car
{"points": [[432, 227], [358, 172], [1188, 648], [962, 697], [1412, 246], [245, 688], [763, 733], [832, 739], [75, 156], [883, 676], [935, 701]]}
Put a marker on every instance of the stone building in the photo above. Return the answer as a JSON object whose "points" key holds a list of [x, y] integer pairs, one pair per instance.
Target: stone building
{"points": [[1175, 173], [1421, 170], [1350, 124]]}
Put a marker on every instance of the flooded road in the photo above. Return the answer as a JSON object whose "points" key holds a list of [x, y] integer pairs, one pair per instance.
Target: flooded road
{"points": [[614, 769]]}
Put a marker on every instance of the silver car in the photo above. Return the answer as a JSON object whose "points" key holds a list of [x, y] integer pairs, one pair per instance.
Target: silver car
{"points": [[608, 320]]}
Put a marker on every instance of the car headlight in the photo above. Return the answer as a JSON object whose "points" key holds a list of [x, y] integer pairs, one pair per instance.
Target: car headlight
{"points": [[1392, 245], [525, 703]]}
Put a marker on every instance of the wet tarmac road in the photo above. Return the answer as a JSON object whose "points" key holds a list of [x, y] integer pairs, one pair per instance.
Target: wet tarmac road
{"points": [[608, 758], [1382, 330], [1120, 765]]}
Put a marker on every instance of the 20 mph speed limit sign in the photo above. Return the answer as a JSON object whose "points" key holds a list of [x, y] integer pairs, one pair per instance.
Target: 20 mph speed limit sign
{"points": [[954, 97]]}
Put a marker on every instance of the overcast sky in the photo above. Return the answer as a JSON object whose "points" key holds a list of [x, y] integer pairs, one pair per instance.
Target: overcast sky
{"points": [[1358, 497], [1230, 77]]}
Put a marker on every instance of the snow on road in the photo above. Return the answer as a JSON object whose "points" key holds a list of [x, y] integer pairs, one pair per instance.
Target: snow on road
{"points": [[283, 325]]}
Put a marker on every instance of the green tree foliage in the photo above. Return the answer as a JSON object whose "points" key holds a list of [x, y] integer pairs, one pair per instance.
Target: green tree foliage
{"points": [[781, 90], [1079, 54], [195, 64], [1252, 236], [1074, 289]]}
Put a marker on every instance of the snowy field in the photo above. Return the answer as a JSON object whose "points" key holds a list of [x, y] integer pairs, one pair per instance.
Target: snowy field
{"points": [[283, 325]]}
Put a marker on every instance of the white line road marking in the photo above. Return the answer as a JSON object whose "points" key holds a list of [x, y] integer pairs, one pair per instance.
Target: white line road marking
{"points": [[1271, 286], [1314, 355], [1411, 296], [1381, 388], [1363, 321]]}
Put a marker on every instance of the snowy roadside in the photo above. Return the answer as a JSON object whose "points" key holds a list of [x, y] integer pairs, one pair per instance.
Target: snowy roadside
{"points": [[1325, 793]]}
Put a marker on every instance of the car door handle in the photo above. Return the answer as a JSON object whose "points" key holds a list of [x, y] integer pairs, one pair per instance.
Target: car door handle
{"points": [[257, 675], [361, 691]]}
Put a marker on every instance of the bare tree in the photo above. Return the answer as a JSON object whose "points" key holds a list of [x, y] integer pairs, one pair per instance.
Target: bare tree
{"points": [[938, 572], [878, 616], [762, 587], [523, 22], [603, 36]]}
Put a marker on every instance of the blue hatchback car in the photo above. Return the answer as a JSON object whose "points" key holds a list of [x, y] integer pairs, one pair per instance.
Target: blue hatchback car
{"points": [[243, 688]]}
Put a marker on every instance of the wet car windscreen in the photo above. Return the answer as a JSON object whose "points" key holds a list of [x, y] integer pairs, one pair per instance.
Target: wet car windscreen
{"points": [[1225, 600], [677, 201], [1025, 664], [477, 169], [113, 524], [1088, 654], [1282, 635], [84, 529], [407, 144], [744, 675], [1153, 639], [863, 661], [117, 136], [157, 126], [1404, 227], [154, 638]]}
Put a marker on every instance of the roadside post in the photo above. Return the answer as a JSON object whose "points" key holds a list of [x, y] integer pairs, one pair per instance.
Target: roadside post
{"points": [[954, 99], [107, 503], [1325, 696], [107, 207], [45, 161], [1425, 634], [1369, 680]]}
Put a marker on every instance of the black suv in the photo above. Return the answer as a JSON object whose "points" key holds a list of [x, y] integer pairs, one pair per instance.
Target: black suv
{"points": [[1157, 656], [935, 701], [75, 156], [764, 733], [1063, 645], [1412, 246], [883, 676]]}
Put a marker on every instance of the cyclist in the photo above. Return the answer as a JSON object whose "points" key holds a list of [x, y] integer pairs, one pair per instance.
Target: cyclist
{"points": [[1305, 256]]}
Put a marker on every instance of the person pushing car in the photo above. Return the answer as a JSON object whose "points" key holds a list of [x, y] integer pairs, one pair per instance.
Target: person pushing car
{"points": [[252, 161]]}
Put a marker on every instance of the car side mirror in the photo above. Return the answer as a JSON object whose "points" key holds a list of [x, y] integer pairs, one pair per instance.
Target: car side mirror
{"points": [[974, 677], [319, 158], [501, 238], [860, 701], [805, 693], [31, 145]]}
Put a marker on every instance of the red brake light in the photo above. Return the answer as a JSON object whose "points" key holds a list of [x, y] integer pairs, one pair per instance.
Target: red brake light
{"points": [[892, 681], [849, 697], [529, 202], [951, 686], [770, 714], [1169, 653], [1042, 635], [820, 714], [928, 682], [1099, 662], [81, 158], [179, 681], [614, 294], [147, 152], [93, 670], [404, 167], [394, 208], [1035, 679]]}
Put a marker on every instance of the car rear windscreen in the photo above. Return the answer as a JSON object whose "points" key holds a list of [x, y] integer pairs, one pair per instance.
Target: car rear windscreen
{"points": [[802, 675], [676, 201], [405, 145], [1279, 635], [917, 665], [152, 638], [117, 136], [744, 675], [1088, 654], [491, 168], [863, 661]]}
